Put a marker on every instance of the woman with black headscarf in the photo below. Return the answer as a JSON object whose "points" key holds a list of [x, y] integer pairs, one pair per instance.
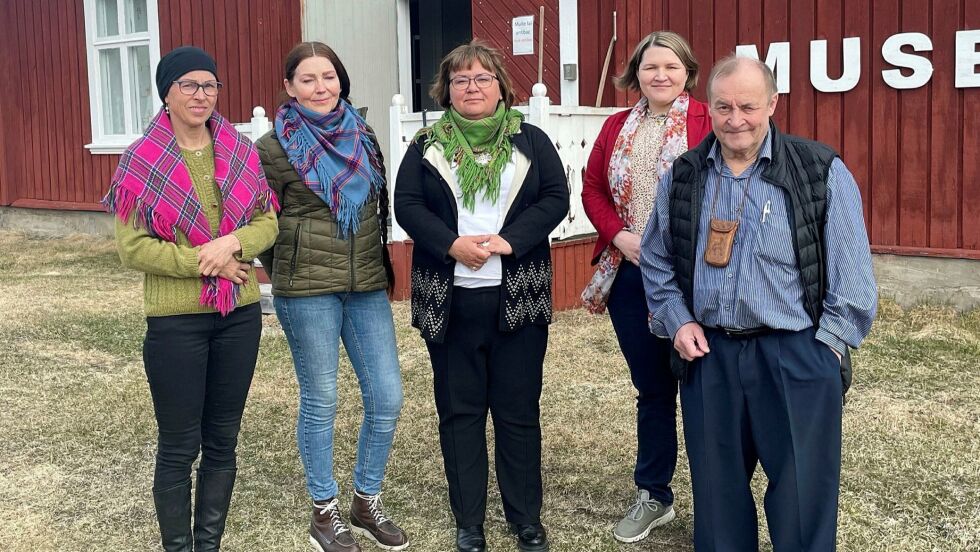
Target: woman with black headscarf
{"points": [[193, 211]]}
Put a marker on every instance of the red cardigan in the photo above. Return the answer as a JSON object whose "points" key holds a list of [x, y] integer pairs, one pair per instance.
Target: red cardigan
{"points": [[596, 195]]}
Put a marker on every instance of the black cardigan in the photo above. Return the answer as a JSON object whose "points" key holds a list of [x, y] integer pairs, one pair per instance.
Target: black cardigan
{"points": [[426, 208]]}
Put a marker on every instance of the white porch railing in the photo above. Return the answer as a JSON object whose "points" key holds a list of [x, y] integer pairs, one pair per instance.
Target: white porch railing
{"points": [[572, 129], [253, 130], [258, 126]]}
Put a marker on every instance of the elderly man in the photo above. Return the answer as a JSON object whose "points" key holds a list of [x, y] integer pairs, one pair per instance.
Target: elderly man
{"points": [[756, 264]]}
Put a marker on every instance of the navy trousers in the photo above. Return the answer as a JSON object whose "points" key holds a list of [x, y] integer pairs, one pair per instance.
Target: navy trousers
{"points": [[648, 358], [774, 399]]}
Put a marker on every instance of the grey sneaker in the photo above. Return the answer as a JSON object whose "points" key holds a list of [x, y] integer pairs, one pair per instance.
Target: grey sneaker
{"points": [[645, 514]]}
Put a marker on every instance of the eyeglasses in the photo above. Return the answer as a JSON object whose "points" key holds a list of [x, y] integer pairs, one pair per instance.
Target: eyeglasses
{"points": [[462, 83], [189, 88]]}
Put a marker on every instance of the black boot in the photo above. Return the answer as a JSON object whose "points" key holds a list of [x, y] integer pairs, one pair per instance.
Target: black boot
{"points": [[173, 508], [211, 508]]}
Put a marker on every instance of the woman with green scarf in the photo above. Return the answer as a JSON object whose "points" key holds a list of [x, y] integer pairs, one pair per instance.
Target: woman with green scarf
{"points": [[479, 192]]}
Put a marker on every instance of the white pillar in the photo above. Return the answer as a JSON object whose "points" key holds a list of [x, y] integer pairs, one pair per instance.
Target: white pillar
{"points": [[568, 49], [404, 29], [395, 150]]}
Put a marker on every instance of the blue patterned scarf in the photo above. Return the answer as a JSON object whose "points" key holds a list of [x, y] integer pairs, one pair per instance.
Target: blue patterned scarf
{"points": [[335, 155]]}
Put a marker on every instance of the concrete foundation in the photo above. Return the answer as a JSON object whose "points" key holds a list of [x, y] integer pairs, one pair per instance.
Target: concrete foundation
{"points": [[49, 223], [912, 280]]}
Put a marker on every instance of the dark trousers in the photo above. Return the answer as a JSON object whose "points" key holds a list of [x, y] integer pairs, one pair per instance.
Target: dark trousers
{"points": [[648, 358], [479, 368], [774, 399], [199, 367]]}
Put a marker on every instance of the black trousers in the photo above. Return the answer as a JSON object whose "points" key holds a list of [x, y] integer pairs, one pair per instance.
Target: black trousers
{"points": [[774, 399], [478, 369], [648, 357], [199, 367]]}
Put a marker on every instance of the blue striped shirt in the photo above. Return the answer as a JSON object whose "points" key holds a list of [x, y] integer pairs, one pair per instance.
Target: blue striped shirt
{"points": [[762, 286]]}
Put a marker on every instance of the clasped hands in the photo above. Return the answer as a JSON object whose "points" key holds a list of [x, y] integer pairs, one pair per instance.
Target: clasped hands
{"points": [[474, 251], [217, 258]]}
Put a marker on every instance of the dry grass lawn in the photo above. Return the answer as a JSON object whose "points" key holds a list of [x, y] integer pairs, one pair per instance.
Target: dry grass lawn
{"points": [[77, 434]]}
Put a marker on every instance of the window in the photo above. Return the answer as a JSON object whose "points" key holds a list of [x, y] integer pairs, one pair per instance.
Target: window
{"points": [[122, 38]]}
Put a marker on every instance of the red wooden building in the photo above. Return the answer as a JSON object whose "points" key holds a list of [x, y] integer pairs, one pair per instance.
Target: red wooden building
{"points": [[63, 129], [79, 82], [914, 151]]}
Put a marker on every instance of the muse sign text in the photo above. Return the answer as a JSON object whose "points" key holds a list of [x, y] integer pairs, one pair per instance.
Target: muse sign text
{"points": [[967, 60]]}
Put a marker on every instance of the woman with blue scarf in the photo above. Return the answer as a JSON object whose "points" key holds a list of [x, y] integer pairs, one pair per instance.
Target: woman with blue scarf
{"points": [[330, 272]]}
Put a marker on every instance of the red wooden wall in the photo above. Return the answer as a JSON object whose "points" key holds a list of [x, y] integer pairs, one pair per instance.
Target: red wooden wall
{"points": [[10, 124], [913, 152], [492, 23], [44, 99]]}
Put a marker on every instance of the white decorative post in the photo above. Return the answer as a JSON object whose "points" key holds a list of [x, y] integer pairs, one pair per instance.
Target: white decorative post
{"points": [[539, 108], [260, 123], [259, 126], [395, 151]]}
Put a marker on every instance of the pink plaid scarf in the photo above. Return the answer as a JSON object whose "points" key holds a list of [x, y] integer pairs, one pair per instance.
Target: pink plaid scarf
{"points": [[596, 293], [153, 183]]}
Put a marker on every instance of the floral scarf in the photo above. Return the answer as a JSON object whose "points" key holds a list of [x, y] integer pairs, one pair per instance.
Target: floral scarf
{"points": [[153, 184], [620, 178]]}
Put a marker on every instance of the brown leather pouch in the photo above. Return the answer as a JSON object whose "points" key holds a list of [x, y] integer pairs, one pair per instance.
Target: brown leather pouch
{"points": [[721, 239]]}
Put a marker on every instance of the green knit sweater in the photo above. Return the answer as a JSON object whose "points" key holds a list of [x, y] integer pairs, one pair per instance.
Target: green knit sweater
{"points": [[172, 282]]}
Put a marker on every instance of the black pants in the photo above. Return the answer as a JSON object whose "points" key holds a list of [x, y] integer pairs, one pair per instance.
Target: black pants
{"points": [[775, 400], [479, 368], [648, 357], [199, 367]]}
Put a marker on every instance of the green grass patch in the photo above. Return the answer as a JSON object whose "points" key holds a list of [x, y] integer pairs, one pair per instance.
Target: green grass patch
{"points": [[77, 435]]}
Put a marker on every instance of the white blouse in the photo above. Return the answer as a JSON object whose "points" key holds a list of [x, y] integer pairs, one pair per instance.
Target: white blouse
{"points": [[486, 218]]}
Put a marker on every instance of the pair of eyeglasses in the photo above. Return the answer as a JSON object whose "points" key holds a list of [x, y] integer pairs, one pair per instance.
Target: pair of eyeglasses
{"points": [[462, 83], [189, 88]]}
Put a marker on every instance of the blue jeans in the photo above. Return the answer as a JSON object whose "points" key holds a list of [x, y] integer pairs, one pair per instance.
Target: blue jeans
{"points": [[314, 327]]}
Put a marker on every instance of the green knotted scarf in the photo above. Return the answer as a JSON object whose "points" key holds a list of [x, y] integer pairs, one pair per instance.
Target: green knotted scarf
{"points": [[479, 148]]}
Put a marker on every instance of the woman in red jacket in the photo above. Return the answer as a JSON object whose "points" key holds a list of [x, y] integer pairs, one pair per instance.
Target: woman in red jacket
{"points": [[634, 148]]}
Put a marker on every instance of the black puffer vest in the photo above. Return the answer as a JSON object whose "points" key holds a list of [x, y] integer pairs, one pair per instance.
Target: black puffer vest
{"points": [[799, 167]]}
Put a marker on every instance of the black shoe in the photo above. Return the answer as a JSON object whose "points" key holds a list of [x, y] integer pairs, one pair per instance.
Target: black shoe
{"points": [[211, 508], [531, 537], [173, 508], [471, 539]]}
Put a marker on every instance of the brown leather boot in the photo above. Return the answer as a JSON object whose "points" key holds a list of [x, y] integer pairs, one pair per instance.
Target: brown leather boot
{"points": [[328, 532], [367, 518]]}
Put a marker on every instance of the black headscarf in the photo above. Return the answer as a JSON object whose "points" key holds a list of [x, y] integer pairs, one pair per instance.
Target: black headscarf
{"points": [[179, 62]]}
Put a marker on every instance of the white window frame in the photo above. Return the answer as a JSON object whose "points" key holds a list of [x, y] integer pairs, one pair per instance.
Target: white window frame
{"points": [[101, 142]]}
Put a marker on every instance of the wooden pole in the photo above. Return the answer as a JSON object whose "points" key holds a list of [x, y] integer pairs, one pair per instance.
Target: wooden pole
{"points": [[605, 66], [541, 44]]}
